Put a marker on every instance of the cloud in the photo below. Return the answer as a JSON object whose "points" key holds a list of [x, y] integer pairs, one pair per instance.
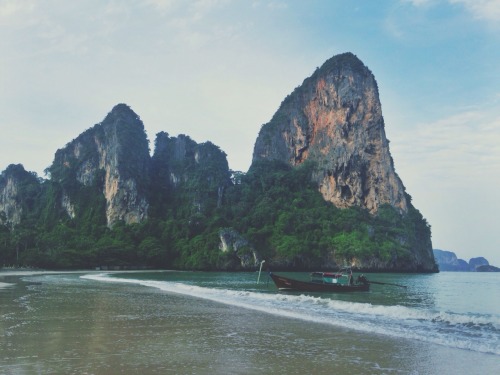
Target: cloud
{"points": [[453, 150], [417, 21], [488, 10], [451, 168], [419, 3], [12, 11], [161, 5]]}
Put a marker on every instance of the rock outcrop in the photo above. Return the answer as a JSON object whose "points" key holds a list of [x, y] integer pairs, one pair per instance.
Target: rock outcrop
{"points": [[200, 171], [10, 209], [487, 268], [474, 263], [18, 192], [335, 120], [327, 136], [113, 156], [233, 243], [448, 261], [112, 159]]}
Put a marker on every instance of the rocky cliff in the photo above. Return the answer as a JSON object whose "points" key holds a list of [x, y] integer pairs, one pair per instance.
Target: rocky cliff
{"points": [[106, 179], [19, 190], [325, 142], [477, 262], [185, 170], [10, 210], [112, 159], [448, 261], [243, 254], [334, 122], [335, 119], [113, 156]]}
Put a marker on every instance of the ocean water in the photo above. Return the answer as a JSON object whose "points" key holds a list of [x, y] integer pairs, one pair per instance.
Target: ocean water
{"points": [[227, 323]]}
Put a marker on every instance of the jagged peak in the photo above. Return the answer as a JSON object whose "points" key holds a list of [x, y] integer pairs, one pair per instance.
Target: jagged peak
{"points": [[343, 61], [335, 119], [339, 65], [14, 169], [123, 112], [123, 108], [17, 171]]}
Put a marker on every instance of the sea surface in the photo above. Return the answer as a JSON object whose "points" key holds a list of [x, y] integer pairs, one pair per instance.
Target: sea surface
{"points": [[226, 323]]}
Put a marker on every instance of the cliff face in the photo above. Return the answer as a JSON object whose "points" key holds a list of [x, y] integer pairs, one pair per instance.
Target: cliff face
{"points": [[19, 193], [113, 157], [335, 119], [474, 263], [188, 170], [111, 160], [106, 176], [10, 209], [327, 136], [448, 261], [244, 255]]}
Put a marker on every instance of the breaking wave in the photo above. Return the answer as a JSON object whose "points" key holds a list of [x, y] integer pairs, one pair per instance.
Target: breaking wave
{"points": [[475, 332]]}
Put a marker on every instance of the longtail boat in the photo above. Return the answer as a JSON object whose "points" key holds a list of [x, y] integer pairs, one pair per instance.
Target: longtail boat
{"points": [[342, 281]]}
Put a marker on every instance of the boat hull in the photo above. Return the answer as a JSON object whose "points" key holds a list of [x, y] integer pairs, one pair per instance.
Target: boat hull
{"points": [[285, 283]]}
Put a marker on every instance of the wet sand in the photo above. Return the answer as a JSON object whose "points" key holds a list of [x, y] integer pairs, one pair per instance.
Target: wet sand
{"points": [[61, 324]]}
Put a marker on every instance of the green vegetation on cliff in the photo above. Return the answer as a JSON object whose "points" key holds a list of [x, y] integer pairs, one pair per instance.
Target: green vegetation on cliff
{"points": [[279, 209], [274, 206], [108, 203]]}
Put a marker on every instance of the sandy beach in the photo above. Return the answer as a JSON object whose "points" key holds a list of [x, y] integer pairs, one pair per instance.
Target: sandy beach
{"points": [[60, 323]]}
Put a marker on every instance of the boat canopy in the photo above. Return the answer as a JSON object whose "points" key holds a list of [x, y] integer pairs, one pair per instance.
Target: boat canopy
{"points": [[335, 275]]}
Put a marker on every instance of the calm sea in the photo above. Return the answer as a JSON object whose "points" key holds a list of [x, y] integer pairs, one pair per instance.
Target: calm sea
{"points": [[227, 323]]}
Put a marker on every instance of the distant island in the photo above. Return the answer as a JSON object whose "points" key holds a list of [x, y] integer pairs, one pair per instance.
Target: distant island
{"points": [[448, 261]]}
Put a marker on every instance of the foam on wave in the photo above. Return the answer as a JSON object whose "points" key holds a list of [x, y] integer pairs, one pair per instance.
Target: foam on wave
{"points": [[477, 333]]}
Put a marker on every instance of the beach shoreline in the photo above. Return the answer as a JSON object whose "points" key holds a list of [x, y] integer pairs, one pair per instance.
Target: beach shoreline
{"points": [[61, 323]]}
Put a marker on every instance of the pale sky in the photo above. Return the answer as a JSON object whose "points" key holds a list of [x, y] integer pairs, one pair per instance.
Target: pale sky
{"points": [[218, 69]]}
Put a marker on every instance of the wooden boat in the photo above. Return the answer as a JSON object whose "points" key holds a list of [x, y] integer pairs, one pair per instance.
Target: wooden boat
{"points": [[342, 281]]}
